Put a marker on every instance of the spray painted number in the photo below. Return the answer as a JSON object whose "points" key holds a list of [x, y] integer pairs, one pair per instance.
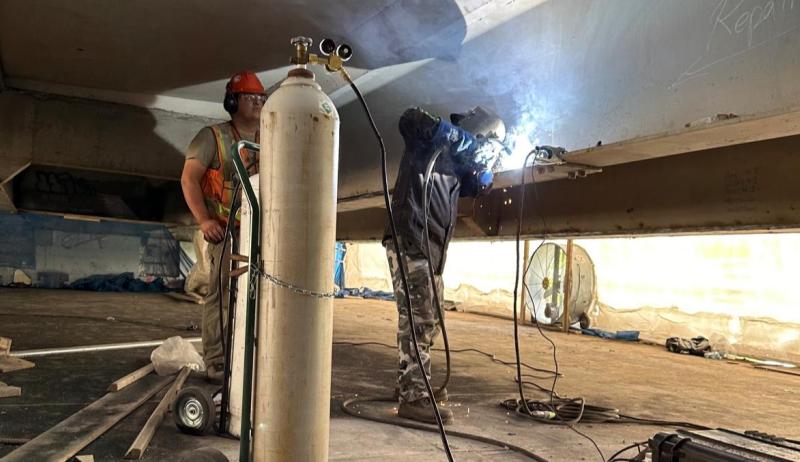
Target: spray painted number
{"points": [[325, 107]]}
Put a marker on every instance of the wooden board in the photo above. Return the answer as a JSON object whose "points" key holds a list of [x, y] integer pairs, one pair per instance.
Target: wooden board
{"points": [[130, 378], [139, 445], [77, 431], [781, 370], [7, 391], [11, 363]]}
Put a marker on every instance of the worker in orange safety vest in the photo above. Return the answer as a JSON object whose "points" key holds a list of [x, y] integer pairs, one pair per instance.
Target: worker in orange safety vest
{"points": [[207, 181]]}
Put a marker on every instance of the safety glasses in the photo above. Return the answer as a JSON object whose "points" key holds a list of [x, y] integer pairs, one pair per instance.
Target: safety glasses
{"points": [[254, 98]]}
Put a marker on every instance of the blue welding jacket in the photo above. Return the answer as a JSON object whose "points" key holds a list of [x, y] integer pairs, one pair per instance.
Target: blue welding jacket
{"points": [[424, 135]]}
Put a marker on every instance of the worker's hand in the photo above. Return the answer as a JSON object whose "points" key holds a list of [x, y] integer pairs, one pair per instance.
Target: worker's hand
{"points": [[212, 231]]}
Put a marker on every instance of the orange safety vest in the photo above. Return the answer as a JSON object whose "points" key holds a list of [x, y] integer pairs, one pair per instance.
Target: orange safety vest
{"points": [[218, 191]]}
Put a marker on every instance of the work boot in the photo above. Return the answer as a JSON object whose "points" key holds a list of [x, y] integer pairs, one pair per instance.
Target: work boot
{"points": [[420, 410], [215, 373], [439, 394]]}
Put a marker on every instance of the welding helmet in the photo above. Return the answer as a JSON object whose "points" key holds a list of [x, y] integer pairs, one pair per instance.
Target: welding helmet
{"points": [[481, 122]]}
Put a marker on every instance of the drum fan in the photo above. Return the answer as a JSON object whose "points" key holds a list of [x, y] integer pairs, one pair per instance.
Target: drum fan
{"points": [[544, 277]]}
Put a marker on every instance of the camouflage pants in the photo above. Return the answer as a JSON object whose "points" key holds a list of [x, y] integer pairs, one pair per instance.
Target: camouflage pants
{"points": [[426, 318]]}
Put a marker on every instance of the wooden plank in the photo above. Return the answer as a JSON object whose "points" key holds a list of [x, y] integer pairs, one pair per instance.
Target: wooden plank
{"points": [[780, 370], [5, 345], [139, 445], [123, 382], [77, 431], [7, 391], [11, 363]]}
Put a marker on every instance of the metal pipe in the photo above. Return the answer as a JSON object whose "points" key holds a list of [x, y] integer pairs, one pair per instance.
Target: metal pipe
{"points": [[91, 348], [254, 255]]}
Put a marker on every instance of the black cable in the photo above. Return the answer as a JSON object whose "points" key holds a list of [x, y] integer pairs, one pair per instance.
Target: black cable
{"points": [[425, 209], [401, 265], [523, 403], [491, 356], [625, 449], [541, 332], [516, 287], [429, 428]]}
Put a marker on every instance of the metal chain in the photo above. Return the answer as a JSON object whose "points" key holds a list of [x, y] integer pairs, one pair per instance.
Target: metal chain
{"points": [[255, 271]]}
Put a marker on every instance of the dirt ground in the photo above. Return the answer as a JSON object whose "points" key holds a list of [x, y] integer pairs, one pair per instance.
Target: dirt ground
{"points": [[640, 380]]}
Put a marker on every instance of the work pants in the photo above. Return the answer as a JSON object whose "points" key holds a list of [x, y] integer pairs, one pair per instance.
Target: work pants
{"points": [[212, 336], [426, 318]]}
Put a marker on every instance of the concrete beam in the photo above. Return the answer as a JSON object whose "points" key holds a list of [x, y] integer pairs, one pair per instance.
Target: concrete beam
{"points": [[7, 173], [84, 134]]}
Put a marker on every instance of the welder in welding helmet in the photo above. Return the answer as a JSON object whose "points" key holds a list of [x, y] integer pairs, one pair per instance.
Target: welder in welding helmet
{"points": [[475, 166], [442, 161]]}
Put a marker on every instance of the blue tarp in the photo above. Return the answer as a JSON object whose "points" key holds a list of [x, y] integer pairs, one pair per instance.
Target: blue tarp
{"points": [[338, 268], [630, 335], [124, 282], [365, 293]]}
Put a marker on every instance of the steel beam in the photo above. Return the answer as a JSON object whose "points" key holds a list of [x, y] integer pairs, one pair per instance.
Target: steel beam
{"points": [[744, 188], [747, 187]]}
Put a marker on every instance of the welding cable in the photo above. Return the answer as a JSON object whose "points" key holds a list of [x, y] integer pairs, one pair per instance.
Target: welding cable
{"points": [[427, 191], [516, 288], [522, 405], [491, 356], [638, 446], [347, 408], [401, 265]]}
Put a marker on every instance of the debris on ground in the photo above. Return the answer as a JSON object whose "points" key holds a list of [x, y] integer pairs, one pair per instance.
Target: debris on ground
{"points": [[697, 346], [10, 363], [8, 391], [700, 346], [21, 279], [175, 353]]}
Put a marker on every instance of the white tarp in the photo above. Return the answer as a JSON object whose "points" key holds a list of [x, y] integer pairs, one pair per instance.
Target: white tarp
{"points": [[737, 290]]}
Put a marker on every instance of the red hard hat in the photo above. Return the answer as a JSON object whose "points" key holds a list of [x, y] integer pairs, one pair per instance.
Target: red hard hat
{"points": [[245, 82]]}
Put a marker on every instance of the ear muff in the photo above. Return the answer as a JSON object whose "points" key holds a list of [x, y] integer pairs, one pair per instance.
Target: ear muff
{"points": [[231, 101]]}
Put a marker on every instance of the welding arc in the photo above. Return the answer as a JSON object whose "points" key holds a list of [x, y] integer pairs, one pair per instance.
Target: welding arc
{"points": [[401, 265], [347, 409]]}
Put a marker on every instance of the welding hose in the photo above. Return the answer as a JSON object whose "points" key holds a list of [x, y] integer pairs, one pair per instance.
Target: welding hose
{"points": [[347, 409], [426, 204], [403, 275]]}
